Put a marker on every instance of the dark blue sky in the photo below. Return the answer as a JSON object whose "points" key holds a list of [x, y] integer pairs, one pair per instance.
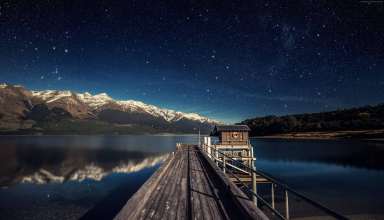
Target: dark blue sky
{"points": [[228, 60]]}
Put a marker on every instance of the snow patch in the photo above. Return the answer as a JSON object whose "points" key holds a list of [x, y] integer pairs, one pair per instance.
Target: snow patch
{"points": [[51, 95], [94, 101]]}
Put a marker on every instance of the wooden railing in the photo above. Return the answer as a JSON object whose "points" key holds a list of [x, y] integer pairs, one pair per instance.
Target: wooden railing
{"points": [[229, 164]]}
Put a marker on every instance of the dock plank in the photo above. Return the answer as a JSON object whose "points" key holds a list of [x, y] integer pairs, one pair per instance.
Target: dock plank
{"points": [[206, 204]]}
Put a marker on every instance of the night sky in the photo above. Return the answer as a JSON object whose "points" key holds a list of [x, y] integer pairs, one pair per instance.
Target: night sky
{"points": [[228, 60]]}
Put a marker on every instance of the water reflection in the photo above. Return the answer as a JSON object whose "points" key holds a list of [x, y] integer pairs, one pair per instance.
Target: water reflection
{"points": [[90, 171], [359, 154], [347, 176], [38, 164], [67, 177]]}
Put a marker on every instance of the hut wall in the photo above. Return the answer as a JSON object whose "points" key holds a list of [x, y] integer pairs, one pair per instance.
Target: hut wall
{"points": [[228, 137]]}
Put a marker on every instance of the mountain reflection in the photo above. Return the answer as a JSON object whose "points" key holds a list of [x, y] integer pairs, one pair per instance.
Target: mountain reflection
{"points": [[40, 165], [91, 171]]}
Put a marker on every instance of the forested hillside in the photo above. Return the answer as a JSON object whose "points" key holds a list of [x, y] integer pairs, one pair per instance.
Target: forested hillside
{"points": [[363, 118]]}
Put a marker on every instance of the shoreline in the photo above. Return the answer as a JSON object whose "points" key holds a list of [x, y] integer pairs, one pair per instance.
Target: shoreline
{"points": [[144, 134], [372, 135]]}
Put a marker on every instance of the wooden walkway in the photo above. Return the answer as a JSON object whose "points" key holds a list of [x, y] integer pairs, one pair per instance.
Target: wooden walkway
{"points": [[189, 186]]}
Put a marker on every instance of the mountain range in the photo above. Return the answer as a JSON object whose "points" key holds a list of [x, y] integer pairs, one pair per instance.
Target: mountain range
{"points": [[67, 112]]}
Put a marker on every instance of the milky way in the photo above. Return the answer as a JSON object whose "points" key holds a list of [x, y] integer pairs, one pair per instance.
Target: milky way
{"points": [[228, 60]]}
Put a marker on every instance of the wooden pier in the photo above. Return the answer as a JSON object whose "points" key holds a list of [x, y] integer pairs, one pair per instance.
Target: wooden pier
{"points": [[209, 181], [189, 185]]}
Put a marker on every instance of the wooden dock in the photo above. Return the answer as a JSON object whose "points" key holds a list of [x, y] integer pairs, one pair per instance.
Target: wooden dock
{"points": [[189, 185]]}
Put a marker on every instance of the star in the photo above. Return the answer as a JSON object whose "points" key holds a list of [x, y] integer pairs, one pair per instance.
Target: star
{"points": [[56, 71]]}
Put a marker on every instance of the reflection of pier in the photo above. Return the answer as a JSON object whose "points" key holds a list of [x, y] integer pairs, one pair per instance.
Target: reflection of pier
{"points": [[214, 181]]}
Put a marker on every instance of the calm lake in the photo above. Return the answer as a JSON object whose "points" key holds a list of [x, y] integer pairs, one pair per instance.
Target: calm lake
{"points": [[71, 177]]}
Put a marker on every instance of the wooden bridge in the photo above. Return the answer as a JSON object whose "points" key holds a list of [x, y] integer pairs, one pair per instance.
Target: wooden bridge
{"points": [[189, 185]]}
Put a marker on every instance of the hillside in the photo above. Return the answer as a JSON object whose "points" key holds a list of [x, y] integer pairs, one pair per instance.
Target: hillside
{"points": [[66, 112], [350, 121]]}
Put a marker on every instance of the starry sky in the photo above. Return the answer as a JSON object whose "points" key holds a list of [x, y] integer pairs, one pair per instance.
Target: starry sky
{"points": [[228, 60]]}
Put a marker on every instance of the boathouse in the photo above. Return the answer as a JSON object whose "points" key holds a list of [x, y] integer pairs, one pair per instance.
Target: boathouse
{"points": [[233, 140], [232, 134]]}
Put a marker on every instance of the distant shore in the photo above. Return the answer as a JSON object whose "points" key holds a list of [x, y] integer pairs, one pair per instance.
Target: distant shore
{"points": [[376, 135]]}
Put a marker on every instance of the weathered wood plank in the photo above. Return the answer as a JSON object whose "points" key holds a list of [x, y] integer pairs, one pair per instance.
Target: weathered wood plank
{"points": [[161, 204], [197, 203], [210, 200], [138, 200], [150, 207], [173, 198]]}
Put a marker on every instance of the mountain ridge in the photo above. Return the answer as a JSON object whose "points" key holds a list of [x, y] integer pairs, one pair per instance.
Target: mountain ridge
{"points": [[30, 110], [99, 100]]}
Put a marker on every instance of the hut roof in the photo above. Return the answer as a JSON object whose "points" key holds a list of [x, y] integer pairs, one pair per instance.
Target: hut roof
{"points": [[220, 128]]}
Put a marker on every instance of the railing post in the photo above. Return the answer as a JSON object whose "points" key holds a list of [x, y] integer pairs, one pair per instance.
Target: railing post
{"points": [[273, 195], [209, 151], [216, 157], [199, 141], [254, 181], [254, 187], [224, 164], [286, 205]]}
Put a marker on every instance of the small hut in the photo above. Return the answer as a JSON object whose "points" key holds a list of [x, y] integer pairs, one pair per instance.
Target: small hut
{"points": [[234, 142], [232, 134]]}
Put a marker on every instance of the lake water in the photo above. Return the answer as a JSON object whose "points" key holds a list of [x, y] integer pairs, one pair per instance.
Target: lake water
{"points": [[69, 177], [347, 176]]}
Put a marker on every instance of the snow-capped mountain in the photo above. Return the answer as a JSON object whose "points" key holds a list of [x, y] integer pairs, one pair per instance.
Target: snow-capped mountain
{"points": [[101, 101], [25, 109]]}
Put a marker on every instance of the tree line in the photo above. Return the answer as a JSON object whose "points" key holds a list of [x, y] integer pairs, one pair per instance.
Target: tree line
{"points": [[362, 118]]}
